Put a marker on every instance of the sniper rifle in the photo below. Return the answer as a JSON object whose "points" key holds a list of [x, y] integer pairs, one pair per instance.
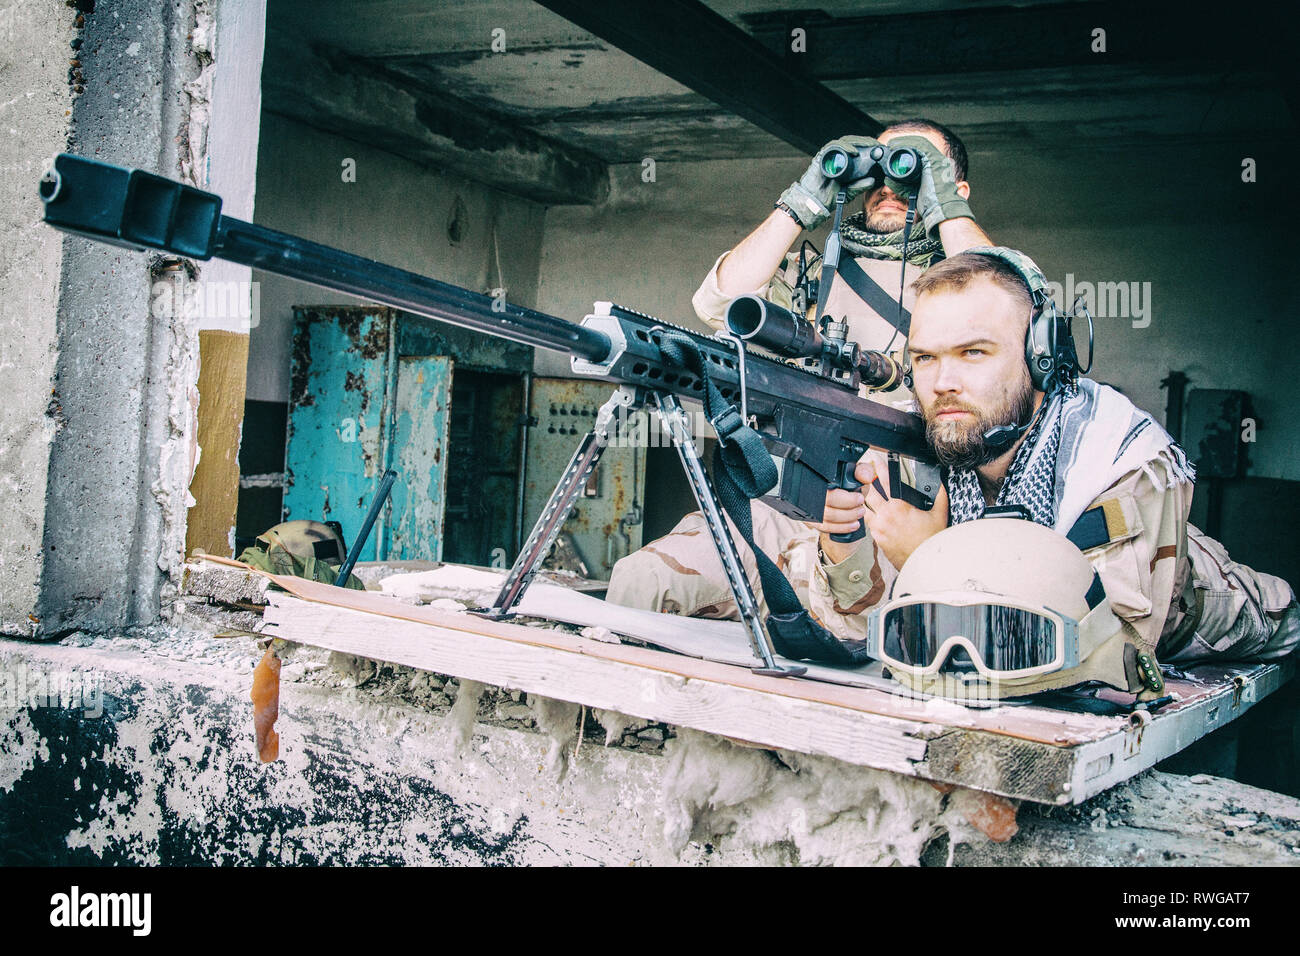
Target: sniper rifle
{"points": [[797, 431]]}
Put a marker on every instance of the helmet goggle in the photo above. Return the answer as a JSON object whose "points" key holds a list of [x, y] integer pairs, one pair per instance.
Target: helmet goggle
{"points": [[966, 632]]}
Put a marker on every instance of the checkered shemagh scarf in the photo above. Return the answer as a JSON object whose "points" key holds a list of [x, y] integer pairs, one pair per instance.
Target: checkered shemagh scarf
{"points": [[1031, 479]]}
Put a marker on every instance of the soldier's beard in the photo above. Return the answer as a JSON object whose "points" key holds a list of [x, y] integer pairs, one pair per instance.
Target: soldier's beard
{"points": [[960, 443], [883, 223]]}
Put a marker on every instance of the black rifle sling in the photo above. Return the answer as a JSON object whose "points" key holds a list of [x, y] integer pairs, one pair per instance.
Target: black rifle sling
{"points": [[743, 470], [870, 292]]}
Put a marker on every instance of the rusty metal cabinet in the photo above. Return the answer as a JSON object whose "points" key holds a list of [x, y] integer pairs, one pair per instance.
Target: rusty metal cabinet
{"points": [[477, 442], [374, 388]]}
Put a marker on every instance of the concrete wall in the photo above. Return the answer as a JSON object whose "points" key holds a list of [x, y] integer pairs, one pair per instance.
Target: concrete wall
{"points": [[1215, 250], [106, 449], [35, 52], [395, 211], [1212, 248], [140, 751]]}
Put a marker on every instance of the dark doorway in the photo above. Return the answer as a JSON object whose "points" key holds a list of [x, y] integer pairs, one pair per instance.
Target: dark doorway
{"points": [[483, 481]]}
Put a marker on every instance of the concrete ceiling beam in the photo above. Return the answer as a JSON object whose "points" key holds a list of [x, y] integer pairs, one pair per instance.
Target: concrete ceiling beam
{"points": [[332, 92], [953, 42]]}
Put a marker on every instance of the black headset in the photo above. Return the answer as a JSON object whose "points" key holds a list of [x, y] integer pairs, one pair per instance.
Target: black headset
{"points": [[1050, 352]]}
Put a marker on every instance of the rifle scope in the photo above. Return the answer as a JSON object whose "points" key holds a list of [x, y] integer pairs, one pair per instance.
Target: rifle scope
{"points": [[754, 319], [900, 163]]}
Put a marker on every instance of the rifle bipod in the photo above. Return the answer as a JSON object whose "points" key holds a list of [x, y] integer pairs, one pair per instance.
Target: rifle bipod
{"points": [[627, 399]]}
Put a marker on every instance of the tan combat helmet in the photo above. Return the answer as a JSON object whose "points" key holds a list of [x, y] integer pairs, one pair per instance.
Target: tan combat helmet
{"points": [[307, 539], [1001, 607]]}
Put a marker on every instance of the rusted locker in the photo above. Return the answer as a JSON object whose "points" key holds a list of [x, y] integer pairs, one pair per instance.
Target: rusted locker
{"points": [[334, 454], [419, 455]]}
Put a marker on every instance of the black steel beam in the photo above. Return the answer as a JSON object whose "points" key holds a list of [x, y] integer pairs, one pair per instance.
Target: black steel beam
{"points": [[688, 42]]}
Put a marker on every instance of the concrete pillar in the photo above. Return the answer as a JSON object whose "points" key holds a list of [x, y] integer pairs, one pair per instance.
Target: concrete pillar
{"points": [[97, 433], [35, 109]]}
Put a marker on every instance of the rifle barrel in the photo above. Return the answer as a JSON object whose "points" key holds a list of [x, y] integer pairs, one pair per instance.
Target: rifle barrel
{"points": [[140, 210], [812, 420], [307, 261]]}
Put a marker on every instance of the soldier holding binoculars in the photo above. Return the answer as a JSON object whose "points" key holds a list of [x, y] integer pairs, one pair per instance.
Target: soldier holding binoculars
{"points": [[873, 238]]}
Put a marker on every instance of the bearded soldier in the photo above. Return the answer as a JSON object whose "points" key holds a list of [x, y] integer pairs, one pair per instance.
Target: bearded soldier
{"points": [[1077, 457], [681, 572], [1015, 430]]}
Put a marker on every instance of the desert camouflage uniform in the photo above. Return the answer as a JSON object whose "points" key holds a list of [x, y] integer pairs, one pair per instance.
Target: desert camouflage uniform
{"points": [[1176, 588], [680, 573]]}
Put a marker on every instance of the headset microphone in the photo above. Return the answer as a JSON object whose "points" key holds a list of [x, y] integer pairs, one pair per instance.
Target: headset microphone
{"points": [[1050, 352], [1004, 436]]}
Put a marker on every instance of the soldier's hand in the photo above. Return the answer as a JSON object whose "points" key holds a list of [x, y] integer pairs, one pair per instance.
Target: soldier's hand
{"points": [[896, 527], [843, 513], [938, 196], [810, 198]]}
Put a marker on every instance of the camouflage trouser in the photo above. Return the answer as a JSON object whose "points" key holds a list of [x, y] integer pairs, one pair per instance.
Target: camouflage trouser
{"points": [[681, 573], [1229, 611]]}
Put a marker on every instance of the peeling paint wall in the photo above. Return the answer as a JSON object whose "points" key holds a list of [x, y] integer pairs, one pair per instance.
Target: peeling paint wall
{"points": [[380, 764]]}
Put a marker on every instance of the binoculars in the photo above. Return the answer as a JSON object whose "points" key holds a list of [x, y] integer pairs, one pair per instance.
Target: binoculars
{"points": [[900, 163]]}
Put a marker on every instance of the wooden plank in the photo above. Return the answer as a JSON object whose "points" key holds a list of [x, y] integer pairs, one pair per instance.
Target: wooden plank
{"points": [[792, 723], [725, 642], [1031, 753], [1224, 694], [223, 358], [1003, 764], [1009, 766], [1032, 723]]}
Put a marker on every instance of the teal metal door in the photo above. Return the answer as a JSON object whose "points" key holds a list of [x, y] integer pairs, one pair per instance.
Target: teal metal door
{"points": [[355, 410], [419, 452], [333, 459]]}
